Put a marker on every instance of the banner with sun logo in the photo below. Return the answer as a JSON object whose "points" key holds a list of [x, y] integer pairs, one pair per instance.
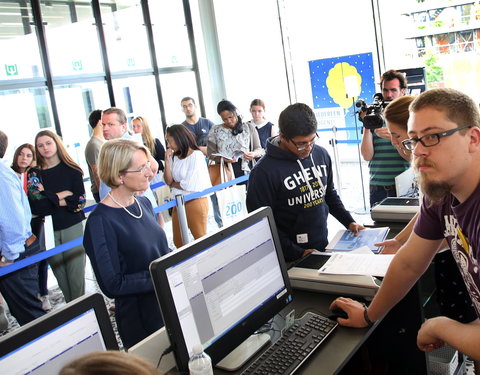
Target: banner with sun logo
{"points": [[337, 83]]}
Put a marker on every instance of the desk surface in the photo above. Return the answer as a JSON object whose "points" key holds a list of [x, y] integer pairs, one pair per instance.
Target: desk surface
{"points": [[338, 348]]}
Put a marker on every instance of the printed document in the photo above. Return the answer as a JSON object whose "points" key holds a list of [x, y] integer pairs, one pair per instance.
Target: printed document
{"points": [[357, 264]]}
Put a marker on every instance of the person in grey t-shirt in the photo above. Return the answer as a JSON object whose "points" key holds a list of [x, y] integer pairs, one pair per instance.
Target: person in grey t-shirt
{"points": [[92, 149]]}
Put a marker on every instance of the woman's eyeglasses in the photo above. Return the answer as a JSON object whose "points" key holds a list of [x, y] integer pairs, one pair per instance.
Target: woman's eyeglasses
{"points": [[143, 170]]}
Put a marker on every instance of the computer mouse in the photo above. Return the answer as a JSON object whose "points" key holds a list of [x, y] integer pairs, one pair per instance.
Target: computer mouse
{"points": [[337, 312]]}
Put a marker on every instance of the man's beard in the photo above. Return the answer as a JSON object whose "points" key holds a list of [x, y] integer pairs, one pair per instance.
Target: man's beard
{"points": [[436, 191]]}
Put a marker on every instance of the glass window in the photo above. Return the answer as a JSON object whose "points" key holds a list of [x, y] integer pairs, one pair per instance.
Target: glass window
{"points": [[126, 36], [17, 36], [170, 34], [74, 103], [177, 85], [80, 52], [28, 111], [137, 96]]}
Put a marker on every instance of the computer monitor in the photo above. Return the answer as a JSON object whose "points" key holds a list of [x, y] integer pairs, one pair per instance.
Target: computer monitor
{"points": [[218, 290], [46, 344]]}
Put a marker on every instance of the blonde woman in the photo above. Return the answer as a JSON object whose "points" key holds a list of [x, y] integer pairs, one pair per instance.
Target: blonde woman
{"points": [[140, 126], [122, 237]]}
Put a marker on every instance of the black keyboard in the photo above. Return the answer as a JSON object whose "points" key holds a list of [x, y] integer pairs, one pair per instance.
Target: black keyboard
{"points": [[296, 344]]}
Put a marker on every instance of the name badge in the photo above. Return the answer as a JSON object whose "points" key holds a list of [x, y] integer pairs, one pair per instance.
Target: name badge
{"points": [[302, 238]]}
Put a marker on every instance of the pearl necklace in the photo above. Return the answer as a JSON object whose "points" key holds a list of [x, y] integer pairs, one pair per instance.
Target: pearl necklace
{"points": [[125, 208]]}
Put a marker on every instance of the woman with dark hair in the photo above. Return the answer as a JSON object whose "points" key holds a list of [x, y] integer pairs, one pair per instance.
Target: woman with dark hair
{"points": [[186, 172], [264, 127], [55, 187], [23, 160], [233, 140]]}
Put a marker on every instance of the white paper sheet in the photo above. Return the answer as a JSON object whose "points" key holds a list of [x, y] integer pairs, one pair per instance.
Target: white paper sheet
{"points": [[357, 264]]}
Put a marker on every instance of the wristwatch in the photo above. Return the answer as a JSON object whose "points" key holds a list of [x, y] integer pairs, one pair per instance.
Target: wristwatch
{"points": [[5, 260]]}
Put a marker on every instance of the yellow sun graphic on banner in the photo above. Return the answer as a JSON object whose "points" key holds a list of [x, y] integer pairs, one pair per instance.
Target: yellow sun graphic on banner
{"points": [[343, 80]]}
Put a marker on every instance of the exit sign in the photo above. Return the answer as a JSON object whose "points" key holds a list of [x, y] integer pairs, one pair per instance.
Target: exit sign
{"points": [[11, 69]]}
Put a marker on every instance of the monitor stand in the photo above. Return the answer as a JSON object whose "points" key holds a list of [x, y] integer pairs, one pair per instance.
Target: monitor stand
{"points": [[243, 352]]}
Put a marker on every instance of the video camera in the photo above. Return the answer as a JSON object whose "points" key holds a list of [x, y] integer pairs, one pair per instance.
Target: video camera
{"points": [[373, 118]]}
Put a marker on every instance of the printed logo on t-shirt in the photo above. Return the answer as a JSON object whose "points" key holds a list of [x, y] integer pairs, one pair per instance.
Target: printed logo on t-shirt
{"points": [[309, 190], [463, 255]]}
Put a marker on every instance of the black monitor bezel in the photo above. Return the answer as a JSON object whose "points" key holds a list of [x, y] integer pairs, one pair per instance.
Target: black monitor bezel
{"points": [[48, 322], [245, 328]]}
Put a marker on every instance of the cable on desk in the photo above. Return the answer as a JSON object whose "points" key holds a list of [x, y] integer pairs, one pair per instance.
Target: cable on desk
{"points": [[165, 352]]}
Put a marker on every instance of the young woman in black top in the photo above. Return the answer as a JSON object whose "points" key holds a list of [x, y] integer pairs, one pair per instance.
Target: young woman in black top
{"points": [[55, 187]]}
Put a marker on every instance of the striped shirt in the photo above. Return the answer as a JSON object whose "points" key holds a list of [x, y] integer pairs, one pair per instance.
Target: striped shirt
{"points": [[386, 163]]}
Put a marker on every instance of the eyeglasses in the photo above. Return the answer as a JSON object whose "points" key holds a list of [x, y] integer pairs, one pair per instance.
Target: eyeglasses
{"points": [[143, 170], [430, 140], [300, 146]]}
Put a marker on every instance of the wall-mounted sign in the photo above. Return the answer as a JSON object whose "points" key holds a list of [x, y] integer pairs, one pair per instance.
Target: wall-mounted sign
{"points": [[11, 70], [77, 65]]}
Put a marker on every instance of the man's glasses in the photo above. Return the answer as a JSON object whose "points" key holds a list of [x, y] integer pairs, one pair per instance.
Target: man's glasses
{"points": [[430, 140], [304, 145], [143, 170]]}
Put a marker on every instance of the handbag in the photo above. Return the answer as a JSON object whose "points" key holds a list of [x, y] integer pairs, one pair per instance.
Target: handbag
{"points": [[220, 173], [231, 203], [231, 200]]}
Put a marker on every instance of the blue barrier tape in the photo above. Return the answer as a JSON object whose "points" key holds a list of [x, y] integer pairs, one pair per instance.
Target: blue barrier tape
{"points": [[40, 256], [157, 185], [78, 241], [337, 129], [353, 141]]}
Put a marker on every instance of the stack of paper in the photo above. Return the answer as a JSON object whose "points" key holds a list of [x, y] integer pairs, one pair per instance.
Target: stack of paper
{"points": [[357, 264]]}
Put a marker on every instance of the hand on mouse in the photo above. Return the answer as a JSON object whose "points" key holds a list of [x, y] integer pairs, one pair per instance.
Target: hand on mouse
{"points": [[353, 309], [338, 313]]}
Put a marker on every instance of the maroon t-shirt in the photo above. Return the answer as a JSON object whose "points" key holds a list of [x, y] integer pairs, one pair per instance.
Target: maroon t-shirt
{"points": [[459, 224]]}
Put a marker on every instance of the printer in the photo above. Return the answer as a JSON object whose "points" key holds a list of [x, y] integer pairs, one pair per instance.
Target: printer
{"points": [[395, 209], [304, 275]]}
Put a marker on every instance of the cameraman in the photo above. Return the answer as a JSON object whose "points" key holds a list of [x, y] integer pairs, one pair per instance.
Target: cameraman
{"points": [[384, 161]]}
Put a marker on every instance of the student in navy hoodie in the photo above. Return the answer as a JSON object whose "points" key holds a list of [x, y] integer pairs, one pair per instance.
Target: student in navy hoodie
{"points": [[295, 179]]}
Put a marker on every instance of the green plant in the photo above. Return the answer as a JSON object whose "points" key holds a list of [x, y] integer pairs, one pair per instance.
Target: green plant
{"points": [[433, 70]]}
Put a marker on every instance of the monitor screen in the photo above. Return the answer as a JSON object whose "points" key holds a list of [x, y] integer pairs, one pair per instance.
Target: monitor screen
{"points": [[219, 289], [46, 344]]}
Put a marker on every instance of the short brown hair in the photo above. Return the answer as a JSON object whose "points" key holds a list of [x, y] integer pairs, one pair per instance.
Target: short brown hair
{"points": [[115, 158], [457, 106], [121, 116], [108, 363], [390, 75]]}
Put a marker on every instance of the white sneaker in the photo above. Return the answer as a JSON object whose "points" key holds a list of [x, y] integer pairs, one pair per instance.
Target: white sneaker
{"points": [[45, 303], [3, 319]]}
